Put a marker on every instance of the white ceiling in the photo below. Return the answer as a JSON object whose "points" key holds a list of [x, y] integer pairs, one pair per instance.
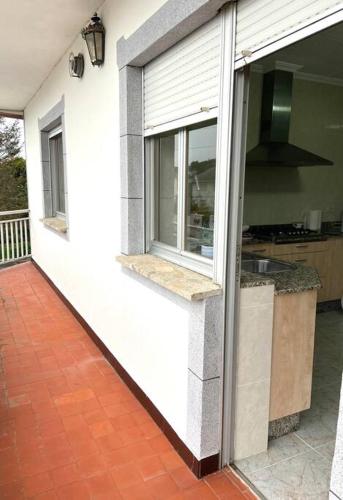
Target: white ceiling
{"points": [[321, 54], [34, 34]]}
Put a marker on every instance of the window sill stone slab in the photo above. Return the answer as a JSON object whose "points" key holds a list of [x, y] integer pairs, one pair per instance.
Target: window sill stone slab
{"points": [[55, 223], [183, 282]]}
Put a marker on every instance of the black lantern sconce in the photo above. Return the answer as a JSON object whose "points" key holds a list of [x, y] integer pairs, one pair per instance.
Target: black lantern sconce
{"points": [[94, 34]]}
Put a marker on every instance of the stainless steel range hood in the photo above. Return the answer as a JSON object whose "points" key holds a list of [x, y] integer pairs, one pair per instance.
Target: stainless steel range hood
{"points": [[274, 148]]}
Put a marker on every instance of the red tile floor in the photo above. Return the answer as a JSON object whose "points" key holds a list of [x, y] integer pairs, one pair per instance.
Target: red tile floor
{"points": [[69, 427]]}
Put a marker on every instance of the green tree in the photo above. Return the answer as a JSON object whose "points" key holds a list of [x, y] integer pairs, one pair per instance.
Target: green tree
{"points": [[13, 186], [10, 139]]}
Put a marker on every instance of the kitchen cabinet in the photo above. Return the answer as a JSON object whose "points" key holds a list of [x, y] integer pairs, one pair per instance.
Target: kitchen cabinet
{"points": [[265, 249], [312, 246], [324, 256], [292, 353]]}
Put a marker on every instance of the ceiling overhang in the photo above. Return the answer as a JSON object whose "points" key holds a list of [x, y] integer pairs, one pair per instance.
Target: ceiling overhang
{"points": [[34, 36], [5, 113]]}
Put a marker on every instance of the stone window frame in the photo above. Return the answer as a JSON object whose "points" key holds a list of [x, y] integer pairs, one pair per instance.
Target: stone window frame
{"points": [[50, 121], [170, 24]]}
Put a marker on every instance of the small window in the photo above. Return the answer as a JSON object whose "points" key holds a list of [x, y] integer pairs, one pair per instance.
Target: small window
{"points": [[181, 172], [57, 173]]}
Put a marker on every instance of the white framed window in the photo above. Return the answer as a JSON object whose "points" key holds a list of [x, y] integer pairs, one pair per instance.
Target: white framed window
{"points": [[58, 205], [180, 195]]}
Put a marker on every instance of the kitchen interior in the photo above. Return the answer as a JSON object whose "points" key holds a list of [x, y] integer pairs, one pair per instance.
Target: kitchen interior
{"points": [[290, 338]]}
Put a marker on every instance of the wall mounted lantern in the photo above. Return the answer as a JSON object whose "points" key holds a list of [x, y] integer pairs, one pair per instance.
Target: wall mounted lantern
{"points": [[94, 34]]}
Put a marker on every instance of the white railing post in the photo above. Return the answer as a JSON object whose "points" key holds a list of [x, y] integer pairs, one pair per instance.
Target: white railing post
{"points": [[14, 235]]}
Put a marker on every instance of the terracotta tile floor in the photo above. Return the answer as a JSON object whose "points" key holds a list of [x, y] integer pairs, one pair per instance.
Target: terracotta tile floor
{"points": [[70, 428]]}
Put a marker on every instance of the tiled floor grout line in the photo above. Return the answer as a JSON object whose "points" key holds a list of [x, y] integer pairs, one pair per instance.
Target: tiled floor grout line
{"points": [[305, 442], [277, 462]]}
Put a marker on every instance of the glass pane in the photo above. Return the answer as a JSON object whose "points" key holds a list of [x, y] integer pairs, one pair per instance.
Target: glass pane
{"points": [[60, 176], [57, 174], [90, 40], [98, 46], [166, 186], [52, 152], [200, 186]]}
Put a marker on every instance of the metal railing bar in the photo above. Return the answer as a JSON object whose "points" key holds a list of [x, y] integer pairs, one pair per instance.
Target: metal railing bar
{"points": [[21, 237], [14, 212], [13, 220], [16, 239], [7, 241], [25, 236], [12, 238]]}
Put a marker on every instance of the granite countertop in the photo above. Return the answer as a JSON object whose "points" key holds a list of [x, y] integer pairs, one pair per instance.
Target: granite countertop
{"points": [[249, 280], [296, 280], [188, 284]]}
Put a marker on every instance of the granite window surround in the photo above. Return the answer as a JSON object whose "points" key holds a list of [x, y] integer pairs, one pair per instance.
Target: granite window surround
{"points": [[172, 22], [53, 119]]}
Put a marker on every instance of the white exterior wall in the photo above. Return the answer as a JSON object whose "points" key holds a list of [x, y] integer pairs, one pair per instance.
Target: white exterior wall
{"points": [[145, 329]]}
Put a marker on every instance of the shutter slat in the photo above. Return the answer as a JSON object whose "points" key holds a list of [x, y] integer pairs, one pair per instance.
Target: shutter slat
{"points": [[185, 78], [206, 92], [261, 22], [186, 64], [185, 48], [173, 86]]}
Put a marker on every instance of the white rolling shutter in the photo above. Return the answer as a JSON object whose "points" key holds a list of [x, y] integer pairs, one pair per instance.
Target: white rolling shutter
{"points": [[262, 22], [185, 79]]}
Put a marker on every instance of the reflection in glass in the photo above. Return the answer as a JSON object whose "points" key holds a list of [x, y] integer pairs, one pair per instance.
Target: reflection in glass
{"points": [[200, 186], [166, 187]]}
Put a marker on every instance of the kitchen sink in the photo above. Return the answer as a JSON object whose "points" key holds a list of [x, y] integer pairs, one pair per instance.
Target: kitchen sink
{"points": [[265, 266]]}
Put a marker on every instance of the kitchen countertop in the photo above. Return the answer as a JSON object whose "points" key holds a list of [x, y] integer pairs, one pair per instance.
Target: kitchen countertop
{"points": [[296, 280]]}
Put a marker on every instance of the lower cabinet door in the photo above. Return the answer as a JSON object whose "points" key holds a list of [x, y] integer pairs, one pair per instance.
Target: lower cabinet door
{"points": [[292, 353]]}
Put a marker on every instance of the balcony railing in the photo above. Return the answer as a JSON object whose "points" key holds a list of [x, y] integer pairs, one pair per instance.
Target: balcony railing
{"points": [[14, 236]]}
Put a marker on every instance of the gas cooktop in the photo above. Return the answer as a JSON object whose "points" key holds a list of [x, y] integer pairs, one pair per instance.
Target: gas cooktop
{"points": [[285, 233]]}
